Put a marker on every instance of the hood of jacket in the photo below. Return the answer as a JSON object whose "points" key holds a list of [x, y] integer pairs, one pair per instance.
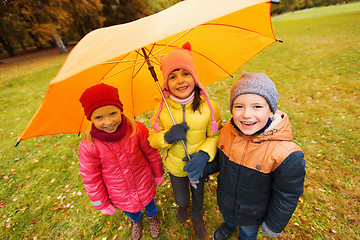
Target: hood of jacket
{"points": [[272, 146]]}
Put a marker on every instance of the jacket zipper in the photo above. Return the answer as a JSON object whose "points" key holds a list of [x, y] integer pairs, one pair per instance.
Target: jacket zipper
{"points": [[235, 208], [183, 113]]}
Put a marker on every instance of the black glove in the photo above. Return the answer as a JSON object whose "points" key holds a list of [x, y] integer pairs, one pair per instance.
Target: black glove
{"points": [[176, 133], [196, 165]]}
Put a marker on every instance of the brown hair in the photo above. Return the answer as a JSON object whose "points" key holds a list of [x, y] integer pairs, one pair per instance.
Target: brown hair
{"points": [[197, 99]]}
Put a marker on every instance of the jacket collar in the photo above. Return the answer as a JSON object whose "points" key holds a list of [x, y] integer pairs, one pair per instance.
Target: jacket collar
{"points": [[279, 129], [175, 104]]}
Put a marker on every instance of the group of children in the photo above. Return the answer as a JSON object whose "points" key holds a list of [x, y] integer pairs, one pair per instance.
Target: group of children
{"points": [[261, 171]]}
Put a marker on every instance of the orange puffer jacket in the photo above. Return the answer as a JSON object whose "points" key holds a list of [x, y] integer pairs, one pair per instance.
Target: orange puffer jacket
{"points": [[261, 177]]}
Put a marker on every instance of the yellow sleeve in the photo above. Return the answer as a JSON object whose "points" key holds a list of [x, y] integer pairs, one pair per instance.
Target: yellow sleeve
{"points": [[157, 139], [210, 144]]}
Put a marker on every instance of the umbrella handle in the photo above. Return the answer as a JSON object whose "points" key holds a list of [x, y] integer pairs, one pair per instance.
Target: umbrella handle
{"points": [[153, 74]]}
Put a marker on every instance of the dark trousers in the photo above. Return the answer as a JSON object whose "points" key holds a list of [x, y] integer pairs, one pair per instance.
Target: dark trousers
{"points": [[181, 187]]}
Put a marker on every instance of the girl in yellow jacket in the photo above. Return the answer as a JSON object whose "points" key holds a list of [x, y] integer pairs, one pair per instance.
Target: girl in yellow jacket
{"points": [[197, 122]]}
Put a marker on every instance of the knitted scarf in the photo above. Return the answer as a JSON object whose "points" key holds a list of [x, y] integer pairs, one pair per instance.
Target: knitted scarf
{"points": [[111, 137]]}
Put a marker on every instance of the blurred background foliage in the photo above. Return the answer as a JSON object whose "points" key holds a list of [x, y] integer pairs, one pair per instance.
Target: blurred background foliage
{"points": [[30, 25]]}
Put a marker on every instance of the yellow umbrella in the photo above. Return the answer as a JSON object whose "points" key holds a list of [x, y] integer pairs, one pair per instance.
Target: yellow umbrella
{"points": [[223, 35]]}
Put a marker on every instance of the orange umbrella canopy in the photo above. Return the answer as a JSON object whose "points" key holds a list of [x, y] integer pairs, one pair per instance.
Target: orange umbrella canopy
{"points": [[223, 35]]}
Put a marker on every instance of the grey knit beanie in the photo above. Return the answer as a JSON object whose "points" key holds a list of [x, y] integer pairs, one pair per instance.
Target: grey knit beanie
{"points": [[256, 83]]}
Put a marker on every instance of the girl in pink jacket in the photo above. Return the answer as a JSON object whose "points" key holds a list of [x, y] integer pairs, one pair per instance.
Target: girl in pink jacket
{"points": [[117, 164]]}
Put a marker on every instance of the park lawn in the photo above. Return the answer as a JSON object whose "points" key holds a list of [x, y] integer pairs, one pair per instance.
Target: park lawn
{"points": [[316, 71]]}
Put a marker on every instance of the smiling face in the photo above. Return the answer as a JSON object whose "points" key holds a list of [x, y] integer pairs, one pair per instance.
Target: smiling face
{"points": [[250, 113], [181, 83], [106, 118]]}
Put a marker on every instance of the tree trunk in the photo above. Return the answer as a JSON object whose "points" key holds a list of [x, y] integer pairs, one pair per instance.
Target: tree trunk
{"points": [[58, 41], [7, 47]]}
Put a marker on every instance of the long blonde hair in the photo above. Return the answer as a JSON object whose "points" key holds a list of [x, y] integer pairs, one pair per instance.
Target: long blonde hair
{"points": [[132, 123]]}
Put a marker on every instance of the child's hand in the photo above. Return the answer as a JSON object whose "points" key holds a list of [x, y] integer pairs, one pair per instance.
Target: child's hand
{"points": [[159, 180], [176, 133], [267, 232], [109, 210], [196, 165]]}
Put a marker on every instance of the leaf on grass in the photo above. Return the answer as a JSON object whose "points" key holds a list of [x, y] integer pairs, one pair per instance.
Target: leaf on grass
{"points": [[2, 203], [5, 177]]}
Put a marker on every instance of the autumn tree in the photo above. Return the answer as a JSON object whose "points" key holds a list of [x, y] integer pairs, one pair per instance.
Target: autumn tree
{"points": [[117, 12], [43, 22], [7, 26], [87, 15]]}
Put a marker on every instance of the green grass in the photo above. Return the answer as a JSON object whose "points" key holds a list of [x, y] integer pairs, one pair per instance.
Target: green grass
{"points": [[316, 71]]}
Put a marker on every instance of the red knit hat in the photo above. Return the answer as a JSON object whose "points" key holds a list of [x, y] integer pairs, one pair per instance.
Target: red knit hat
{"points": [[98, 96]]}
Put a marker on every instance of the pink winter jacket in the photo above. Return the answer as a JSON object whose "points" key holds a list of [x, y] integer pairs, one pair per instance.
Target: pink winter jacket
{"points": [[121, 173]]}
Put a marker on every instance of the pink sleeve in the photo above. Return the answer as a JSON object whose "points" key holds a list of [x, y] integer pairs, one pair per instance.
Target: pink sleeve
{"points": [[153, 156], [90, 170]]}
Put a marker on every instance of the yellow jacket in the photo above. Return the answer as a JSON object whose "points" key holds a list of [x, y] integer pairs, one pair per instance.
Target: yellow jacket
{"points": [[199, 136]]}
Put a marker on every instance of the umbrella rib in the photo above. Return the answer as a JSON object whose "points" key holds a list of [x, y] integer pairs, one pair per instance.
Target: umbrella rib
{"points": [[170, 43], [132, 82], [154, 55], [232, 26], [122, 70]]}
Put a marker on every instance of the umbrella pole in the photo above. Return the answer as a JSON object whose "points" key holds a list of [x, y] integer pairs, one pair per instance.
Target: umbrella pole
{"points": [[153, 74]]}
